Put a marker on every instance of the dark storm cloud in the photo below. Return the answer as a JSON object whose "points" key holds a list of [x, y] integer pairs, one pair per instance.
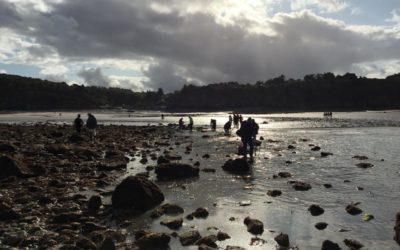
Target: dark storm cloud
{"points": [[186, 47]]}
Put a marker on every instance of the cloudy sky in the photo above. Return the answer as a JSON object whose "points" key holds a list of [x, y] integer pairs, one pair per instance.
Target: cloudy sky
{"points": [[144, 45]]}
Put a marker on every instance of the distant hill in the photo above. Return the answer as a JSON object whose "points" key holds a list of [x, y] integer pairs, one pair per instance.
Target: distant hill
{"points": [[25, 93], [320, 92]]}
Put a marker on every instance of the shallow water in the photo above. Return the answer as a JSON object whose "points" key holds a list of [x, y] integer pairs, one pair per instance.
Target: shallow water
{"points": [[373, 134]]}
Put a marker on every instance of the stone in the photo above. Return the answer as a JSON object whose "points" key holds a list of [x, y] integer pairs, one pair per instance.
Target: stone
{"points": [[316, 148], [153, 241], [274, 193], [13, 167], [364, 165], [189, 238], [94, 203], [200, 213], [176, 171], [221, 236], [291, 147], [85, 243], [208, 241], [172, 224], [238, 165], [321, 225], [360, 157], [329, 245], [397, 229], [284, 174], [327, 185], [301, 186], [353, 244], [138, 193], [353, 209], [315, 210], [325, 154], [108, 244], [172, 209], [282, 240], [173, 157], [254, 226]]}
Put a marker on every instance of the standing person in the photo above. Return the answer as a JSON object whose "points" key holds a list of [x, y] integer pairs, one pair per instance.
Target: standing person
{"points": [[91, 124], [78, 123], [180, 123], [230, 118], [213, 124], [236, 120], [190, 123], [162, 116], [227, 126], [240, 119], [256, 127], [246, 133]]}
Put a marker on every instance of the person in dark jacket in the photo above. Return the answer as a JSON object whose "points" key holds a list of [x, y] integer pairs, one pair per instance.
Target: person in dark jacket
{"points": [[246, 133], [227, 127], [78, 124], [91, 124]]}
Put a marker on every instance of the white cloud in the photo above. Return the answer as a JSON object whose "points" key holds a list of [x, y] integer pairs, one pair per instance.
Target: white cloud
{"points": [[3, 71], [377, 69], [395, 17], [328, 6]]}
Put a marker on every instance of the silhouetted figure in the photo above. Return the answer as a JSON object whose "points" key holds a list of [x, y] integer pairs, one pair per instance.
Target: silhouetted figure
{"points": [[78, 123], [256, 127], [240, 119], [227, 127], [213, 124], [162, 116], [246, 133], [180, 123], [91, 124], [190, 126], [236, 120], [230, 118]]}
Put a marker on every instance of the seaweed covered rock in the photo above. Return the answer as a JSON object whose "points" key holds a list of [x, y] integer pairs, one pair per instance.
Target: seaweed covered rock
{"points": [[13, 167], [138, 193]]}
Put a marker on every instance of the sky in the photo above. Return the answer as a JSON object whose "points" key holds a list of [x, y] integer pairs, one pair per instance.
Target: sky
{"points": [[146, 45]]}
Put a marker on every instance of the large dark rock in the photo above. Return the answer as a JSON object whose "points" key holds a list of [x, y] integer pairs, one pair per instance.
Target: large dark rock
{"points": [[301, 186], [172, 224], [162, 159], [353, 244], [138, 193], [364, 165], [321, 225], [208, 241], [254, 226], [282, 240], [7, 147], [397, 229], [238, 165], [94, 203], [189, 238], [200, 212], [176, 171], [13, 167], [153, 241], [329, 245]]}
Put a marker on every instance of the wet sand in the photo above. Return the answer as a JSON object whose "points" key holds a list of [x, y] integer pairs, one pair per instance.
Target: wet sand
{"points": [[47, 204]]}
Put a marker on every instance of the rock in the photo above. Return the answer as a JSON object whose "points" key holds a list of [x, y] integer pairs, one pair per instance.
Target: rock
{"points": [[301, 186], [176, 171], [153, 241], [206, 156], [85, 243], [7, 147], [94, 203], [208, 170], [108, 244], [364, 165], [112, 165], [360, 157], [172, 157], [7, 213], [189, 238], [353, 210], [282, 240], [254, 226], [325, 154], [284, 174], [353, 244], [316, 148], [208, 241], [321, 225], [172, 209], [89, 227], [274, 193], [291, 147], [238, 165], [200, 213], [327, 185], [397, 229], [138, 193], [162, 159], [315, 210], [234, 248], [221, 236], [11, 239], [13, 167], [245, 203], [172, 224], [329, 245]]}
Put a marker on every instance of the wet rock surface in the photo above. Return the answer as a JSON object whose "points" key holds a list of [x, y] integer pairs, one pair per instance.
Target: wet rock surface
{"points": [[175, 171], [254, 226], [239, 165]]}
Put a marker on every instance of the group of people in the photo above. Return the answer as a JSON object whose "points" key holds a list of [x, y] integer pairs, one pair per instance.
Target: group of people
{"points": [[91, 124], [237, 119], [327, 114], [181, 123], [248, 134]]}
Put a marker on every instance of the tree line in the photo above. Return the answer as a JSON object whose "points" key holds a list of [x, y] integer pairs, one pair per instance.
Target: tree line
{"points": [[317, 92]]}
